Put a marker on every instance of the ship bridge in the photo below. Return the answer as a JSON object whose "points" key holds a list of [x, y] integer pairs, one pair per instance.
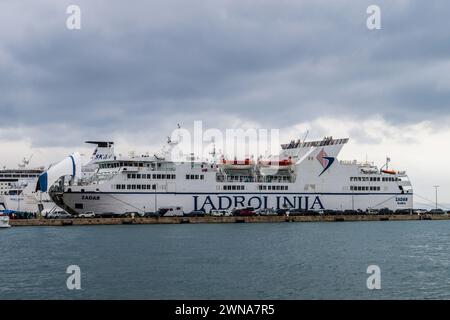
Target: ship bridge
{"points": [[327, 141]]}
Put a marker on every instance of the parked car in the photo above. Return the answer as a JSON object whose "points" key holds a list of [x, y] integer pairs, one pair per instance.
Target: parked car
{"points": [[107, 215], [386, 211], [88, 214], [220, 213], [243, 212], [403, 211], [217, 213], [437, 211], [197, 213], [150, 214], [420, 211], [171, 212], [131, 214], [296, 212], [282, 212], [58, 215], [267, 212]]}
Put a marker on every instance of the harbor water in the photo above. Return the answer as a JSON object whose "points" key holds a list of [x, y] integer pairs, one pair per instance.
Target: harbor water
{"points": [[228, 261]]}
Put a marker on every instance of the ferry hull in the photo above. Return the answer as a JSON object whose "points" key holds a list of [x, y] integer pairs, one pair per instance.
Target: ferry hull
{"points": [[27, 203], [316, 181], [120, 203]]}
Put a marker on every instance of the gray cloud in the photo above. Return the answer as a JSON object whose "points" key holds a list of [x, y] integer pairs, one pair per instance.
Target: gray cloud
{"points": [[145, 66]]}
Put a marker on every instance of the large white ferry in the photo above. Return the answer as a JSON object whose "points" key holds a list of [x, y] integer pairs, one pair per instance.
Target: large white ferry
{"points": [[305, 176]]}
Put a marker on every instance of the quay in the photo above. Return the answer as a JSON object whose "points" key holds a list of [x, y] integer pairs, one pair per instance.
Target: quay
{"points": [[210, 219]]}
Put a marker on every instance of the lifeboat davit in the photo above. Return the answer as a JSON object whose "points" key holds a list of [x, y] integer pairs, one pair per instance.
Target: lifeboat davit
{"points": [[237, 164], [389, 171]]}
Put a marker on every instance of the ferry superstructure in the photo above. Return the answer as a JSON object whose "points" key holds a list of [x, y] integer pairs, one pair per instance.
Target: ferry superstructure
{"points": [[13, 193], [11, 177], [305, 176]]}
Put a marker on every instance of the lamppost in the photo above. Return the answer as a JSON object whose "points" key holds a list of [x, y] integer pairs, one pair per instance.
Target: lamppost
{"points": [[436, 187]]}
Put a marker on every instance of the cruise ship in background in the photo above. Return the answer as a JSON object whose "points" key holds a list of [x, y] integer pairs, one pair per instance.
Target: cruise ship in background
{"points": [[11, 177], [304, 176], [18, 186], [14, 195]]}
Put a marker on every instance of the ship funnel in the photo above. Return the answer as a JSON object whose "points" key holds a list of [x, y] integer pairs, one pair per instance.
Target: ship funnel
{"points": [[103, 151], [70, 166]]}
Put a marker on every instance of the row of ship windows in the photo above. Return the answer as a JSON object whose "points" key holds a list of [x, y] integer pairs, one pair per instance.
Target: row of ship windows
{"points": [[233, 187], [126, 164], [19, 175], [240, 187], [384, 179], [195, 177], [135, 186], [284, 188], [150, 176], [251, 178], [359, 188]]}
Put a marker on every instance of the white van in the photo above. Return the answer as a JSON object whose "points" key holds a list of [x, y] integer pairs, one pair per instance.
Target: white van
{"points": [[220, 213]]}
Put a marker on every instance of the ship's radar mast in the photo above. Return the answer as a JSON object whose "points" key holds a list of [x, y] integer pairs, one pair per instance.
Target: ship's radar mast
{"points": [[386, 165], [25, 162]]}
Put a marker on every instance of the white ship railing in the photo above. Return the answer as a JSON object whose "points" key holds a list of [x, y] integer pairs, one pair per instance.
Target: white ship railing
{"points": [[97, 179]]}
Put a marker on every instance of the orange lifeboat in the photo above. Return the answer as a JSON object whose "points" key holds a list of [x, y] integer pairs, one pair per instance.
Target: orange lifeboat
{"points": [[276, 163], [389, 171], [237, 164], [270, 167]]}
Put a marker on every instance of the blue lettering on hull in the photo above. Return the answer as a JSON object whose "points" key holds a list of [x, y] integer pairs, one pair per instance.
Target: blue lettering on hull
{"points": [[209, 203]]}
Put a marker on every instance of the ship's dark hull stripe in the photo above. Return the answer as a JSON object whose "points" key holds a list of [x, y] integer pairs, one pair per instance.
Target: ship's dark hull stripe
{"points": [[240, 193]]}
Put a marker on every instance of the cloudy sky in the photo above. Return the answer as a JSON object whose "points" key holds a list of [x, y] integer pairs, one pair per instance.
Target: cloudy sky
{"points": [[137, 68]]}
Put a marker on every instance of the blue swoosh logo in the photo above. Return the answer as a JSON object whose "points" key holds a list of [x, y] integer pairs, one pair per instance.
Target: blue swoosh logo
{"points": [[330, 163]]}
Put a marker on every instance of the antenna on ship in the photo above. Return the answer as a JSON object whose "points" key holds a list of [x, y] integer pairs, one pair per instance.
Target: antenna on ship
{"points": [[306, 136], [25, 162], [213, 152], [386, 165], [178, 137]]}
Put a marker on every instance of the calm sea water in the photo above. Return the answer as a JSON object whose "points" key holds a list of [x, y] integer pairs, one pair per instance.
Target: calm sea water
{"points": [[228, 261]]}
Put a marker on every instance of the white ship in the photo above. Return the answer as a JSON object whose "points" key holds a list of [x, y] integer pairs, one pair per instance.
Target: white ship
{"points": [[14, 195], [307, 176], [18, 186], [11, 177]]}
